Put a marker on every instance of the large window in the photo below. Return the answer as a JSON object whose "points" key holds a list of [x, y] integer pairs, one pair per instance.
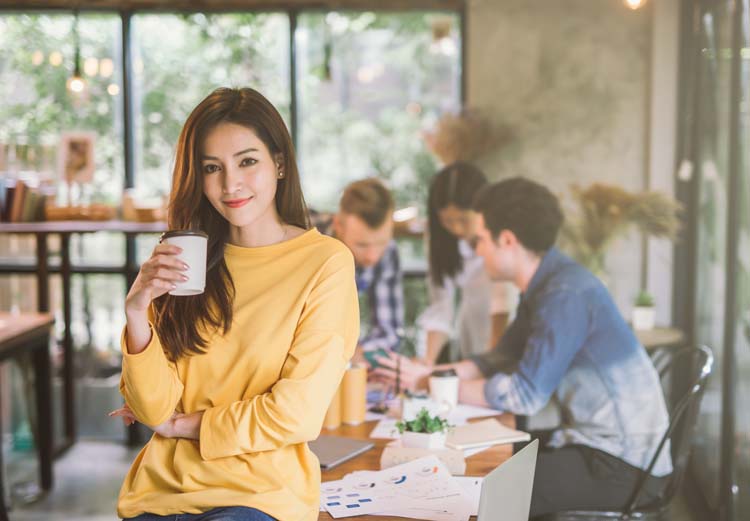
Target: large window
{"points": [[203, 52], [710, 284], [718, 126], [36, 108], [369, 84], [742, 310]]}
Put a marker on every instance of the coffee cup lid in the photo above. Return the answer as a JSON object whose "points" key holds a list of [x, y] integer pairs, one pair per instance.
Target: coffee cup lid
{"points": [[181, 233], [444, 372]]}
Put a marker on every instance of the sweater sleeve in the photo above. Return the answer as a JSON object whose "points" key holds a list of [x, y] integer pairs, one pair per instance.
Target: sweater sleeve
{"points": [[149, 382], [292, 411]]}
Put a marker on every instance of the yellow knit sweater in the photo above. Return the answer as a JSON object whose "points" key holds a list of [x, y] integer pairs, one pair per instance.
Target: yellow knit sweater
{"points": [[264, 387]]}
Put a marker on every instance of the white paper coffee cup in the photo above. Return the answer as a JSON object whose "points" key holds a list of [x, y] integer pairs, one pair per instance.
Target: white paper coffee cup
{"points": [[194, 246], [444, 391]]}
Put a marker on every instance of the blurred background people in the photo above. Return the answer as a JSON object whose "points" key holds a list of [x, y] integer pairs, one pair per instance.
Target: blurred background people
{"points": [[364, 223], [465, 306]]}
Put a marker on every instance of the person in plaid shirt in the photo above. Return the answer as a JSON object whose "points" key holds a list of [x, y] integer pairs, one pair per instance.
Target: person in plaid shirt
{"points": [[364, 223]]}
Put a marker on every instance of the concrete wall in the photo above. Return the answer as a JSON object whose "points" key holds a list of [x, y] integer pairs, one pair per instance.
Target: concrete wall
{"points": [[573, 80]]}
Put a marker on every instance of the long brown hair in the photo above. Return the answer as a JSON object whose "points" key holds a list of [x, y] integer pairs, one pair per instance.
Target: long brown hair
{"points": [[180, 320]]}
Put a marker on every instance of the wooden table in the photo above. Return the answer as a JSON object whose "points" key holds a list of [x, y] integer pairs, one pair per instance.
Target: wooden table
{"points": [[660, 337], [29, 333], [477, 465]]}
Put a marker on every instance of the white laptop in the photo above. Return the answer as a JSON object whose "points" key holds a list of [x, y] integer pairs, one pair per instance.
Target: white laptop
{"points": [[506, 491]]}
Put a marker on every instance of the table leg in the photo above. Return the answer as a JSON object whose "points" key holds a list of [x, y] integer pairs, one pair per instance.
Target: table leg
{"points": [[68, 355], [42, 273], [43, 391], [3, 512], [137, 434]]}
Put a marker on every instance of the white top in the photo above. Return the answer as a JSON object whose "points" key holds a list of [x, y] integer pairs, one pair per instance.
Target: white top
{"points": [[480, 299]]}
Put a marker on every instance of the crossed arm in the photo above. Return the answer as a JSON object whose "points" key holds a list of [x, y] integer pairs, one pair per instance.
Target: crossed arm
{"points": [[290, 412]]}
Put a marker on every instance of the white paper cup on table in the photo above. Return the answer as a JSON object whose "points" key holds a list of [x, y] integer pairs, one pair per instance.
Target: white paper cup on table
{"points": [[194, 246], [444, 389]]}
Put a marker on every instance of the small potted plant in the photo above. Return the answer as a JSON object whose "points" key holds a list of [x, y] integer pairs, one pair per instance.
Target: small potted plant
{"points": [[424, 431], [644, 313]]}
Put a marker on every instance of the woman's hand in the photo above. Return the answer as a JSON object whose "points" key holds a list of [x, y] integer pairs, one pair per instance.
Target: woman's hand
{"points": [[156, 277], [179, 425], [398, 369], [124, 412]]}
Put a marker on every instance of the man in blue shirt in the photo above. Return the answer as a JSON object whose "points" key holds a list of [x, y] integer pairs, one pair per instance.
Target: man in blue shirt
{"points": [[568, 343]]}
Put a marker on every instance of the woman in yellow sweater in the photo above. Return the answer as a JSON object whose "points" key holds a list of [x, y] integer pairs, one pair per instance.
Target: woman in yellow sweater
{"points": [[236, 380]]}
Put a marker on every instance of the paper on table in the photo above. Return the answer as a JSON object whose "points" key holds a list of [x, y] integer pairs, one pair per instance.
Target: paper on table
{"points": [[386, 429], [458, 416], [483, 433], [475, 450], [372, 416], [472, 486], [462, 412], [420, 488]]}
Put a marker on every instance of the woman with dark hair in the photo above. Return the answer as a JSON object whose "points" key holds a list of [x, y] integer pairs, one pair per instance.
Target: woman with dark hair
{"points": [[484, 306], [235, 381]]}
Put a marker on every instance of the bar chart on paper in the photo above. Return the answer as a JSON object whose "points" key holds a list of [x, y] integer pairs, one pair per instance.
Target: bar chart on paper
{"points": [[420, 488]]}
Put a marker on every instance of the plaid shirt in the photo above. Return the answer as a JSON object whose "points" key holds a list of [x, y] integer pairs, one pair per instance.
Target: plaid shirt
{"points": [[382, 286]]}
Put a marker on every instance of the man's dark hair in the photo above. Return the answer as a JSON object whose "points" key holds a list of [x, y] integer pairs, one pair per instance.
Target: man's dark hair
{"points": [[524, 207]]}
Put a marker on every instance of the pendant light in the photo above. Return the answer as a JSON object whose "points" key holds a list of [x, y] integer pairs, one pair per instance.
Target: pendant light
{"points": [[634, 4], [76, 84]]}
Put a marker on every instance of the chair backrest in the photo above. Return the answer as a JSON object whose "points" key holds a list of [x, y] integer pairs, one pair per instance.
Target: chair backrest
{"points": [[694, 366]]}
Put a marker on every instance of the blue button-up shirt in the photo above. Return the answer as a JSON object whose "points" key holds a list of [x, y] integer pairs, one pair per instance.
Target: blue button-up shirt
{"points": [[570, 343]]}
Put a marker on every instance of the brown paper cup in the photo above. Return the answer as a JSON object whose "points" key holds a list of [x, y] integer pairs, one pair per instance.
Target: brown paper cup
{"points": [[332, 419], [354, 395]]}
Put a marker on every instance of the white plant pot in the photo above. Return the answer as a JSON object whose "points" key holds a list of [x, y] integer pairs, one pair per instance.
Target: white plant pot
{"points": [[423, 440], [644, 318]]}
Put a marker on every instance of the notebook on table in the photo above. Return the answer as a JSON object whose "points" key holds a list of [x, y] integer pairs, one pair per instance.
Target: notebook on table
{"points": [[334, 450], [483, 433]]}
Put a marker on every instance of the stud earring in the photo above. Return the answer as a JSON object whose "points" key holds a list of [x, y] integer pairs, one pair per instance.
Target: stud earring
{"points": [[281, 175]]}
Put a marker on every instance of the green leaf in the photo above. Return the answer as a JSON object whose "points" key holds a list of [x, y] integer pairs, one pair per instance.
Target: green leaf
{"points": [[423, 422]]}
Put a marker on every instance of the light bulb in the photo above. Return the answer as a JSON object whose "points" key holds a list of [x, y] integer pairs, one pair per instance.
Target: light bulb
{"points": [[37, 58], [106, 67], [55, 58], [90, 66], [76, 84], [634, 4]]}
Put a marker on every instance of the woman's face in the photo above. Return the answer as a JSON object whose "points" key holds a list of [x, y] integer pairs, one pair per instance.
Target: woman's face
{"points": [[458, 222], [240, 175]]}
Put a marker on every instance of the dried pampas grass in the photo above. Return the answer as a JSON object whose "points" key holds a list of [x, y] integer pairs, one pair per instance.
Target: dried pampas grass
{"points": [[464, 137], [603, 213]]}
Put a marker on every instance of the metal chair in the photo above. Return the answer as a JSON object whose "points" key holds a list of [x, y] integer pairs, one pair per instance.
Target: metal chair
{"points": [[696, 362]]}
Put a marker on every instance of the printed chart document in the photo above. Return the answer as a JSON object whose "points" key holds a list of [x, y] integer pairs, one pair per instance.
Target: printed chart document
{"points": [[472, 486], [421, 488]]}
